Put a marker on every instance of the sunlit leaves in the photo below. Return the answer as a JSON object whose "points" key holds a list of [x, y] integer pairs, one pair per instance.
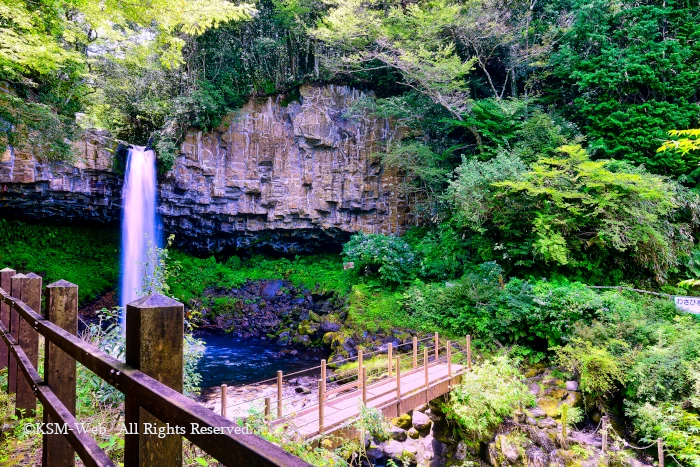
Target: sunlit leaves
{"points": [[415, 41]]}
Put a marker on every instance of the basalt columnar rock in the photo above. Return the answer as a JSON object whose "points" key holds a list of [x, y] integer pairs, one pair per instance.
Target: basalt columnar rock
{"points": [[294, 176]]}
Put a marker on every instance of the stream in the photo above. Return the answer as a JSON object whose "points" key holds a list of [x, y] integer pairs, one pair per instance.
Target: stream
{"points": [[237, 361]]}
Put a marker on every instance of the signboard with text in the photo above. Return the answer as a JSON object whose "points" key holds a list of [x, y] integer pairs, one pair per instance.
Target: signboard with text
{"points": [[688, 304]]}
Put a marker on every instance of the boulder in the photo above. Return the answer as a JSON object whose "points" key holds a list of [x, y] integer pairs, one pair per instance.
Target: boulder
{"points": [[330, 323], [421, 422], [302, 390], [283, 338], [508, 447], [398, 434], [536, 457], [269, 290], [328, 338], [413, 433], [572, 385], [402, 421], [574, 399], [308, 328]]}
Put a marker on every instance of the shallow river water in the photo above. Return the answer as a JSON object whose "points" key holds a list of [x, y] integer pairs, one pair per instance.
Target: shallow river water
{"points": [[236, 361]]}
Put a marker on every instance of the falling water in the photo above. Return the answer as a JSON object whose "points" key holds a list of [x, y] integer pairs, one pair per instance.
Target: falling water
{"points": [[138, 219]]}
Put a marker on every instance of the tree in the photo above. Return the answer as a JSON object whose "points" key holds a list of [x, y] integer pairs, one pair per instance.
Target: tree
{"points": [[415, 39], [628, 71], [570, 211]]}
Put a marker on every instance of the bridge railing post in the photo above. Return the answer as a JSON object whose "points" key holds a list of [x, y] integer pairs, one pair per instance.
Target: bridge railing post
{"points": [[425, 364], [28, 339], [437, 347], [449, 359], [6, 285], [469, 351], [364, 385], [398, 379], [154, 345], [360, 365], [224, 402], [321, 406], [279, 394], [415, 352], [60, 369], [390, 351], [12, 369]]}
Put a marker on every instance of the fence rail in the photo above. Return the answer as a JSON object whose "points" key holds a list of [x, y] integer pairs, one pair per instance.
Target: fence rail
{"points": [[154, 336]]}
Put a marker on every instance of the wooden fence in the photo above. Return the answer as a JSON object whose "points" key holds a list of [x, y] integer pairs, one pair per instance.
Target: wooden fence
{"points": [[151, 380]]}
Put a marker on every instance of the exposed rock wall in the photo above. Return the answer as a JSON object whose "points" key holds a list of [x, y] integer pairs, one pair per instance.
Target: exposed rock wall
{"points": [[290, 176], [87, 190], [293, 177]]}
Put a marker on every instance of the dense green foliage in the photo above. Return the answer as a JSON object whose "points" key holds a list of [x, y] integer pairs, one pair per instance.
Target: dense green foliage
{"points": [[86, 256], [644, 352], [485, 397]]}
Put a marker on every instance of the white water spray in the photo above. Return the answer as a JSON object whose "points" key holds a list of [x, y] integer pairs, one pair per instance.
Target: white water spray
{"points": [[138, 220]]}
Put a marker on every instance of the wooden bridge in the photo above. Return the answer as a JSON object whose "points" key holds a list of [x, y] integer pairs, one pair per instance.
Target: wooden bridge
{"points": [[393, 380]]}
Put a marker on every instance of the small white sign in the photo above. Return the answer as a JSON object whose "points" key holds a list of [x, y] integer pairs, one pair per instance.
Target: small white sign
{"points": [[689, 304]]}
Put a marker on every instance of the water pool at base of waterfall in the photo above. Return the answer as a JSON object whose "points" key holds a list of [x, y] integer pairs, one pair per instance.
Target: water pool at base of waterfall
{"points": [[236, 361]]}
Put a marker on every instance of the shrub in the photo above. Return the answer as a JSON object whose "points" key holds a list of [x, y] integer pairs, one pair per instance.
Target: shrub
{"points": [[487, 395], [600, 374], [387, 256]]}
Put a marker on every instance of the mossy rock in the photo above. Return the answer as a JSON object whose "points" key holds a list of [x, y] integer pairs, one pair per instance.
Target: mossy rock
{"points": [[328, 338], [402, 421], [307, 328], [550, 407], [314, 317]]}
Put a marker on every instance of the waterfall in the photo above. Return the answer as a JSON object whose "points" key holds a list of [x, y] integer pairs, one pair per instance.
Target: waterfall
{"points": [[138, 220]]}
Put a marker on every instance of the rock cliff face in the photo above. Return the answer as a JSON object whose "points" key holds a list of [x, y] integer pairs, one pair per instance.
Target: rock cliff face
{"points": [[88, 190], [294, 177]]}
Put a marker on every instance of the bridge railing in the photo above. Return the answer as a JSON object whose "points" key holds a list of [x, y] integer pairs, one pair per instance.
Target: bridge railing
{"points": [[150, 379], [370, 369]]}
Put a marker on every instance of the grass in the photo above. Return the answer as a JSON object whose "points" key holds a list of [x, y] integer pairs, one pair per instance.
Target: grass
{"points": [[322, 274]]}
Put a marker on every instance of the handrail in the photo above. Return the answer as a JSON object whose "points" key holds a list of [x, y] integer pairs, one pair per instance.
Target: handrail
{"points": [[163, 402]]}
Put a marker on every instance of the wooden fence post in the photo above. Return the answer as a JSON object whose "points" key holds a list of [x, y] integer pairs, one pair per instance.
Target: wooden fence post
{"points": [[415, 352], [321, 397], [279, 394], [154, 345], [660, 448], [604, 432], [390, 351], [469, 351], [6, 285], [268, 404], [25, 403], [224, 403], [60, 369], [16, 292]]}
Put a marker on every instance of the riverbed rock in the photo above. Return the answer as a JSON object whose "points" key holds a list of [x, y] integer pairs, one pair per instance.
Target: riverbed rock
{"points": [[421, 422], [402, 421], [330, 323], [398, 434], [413, 433]]}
